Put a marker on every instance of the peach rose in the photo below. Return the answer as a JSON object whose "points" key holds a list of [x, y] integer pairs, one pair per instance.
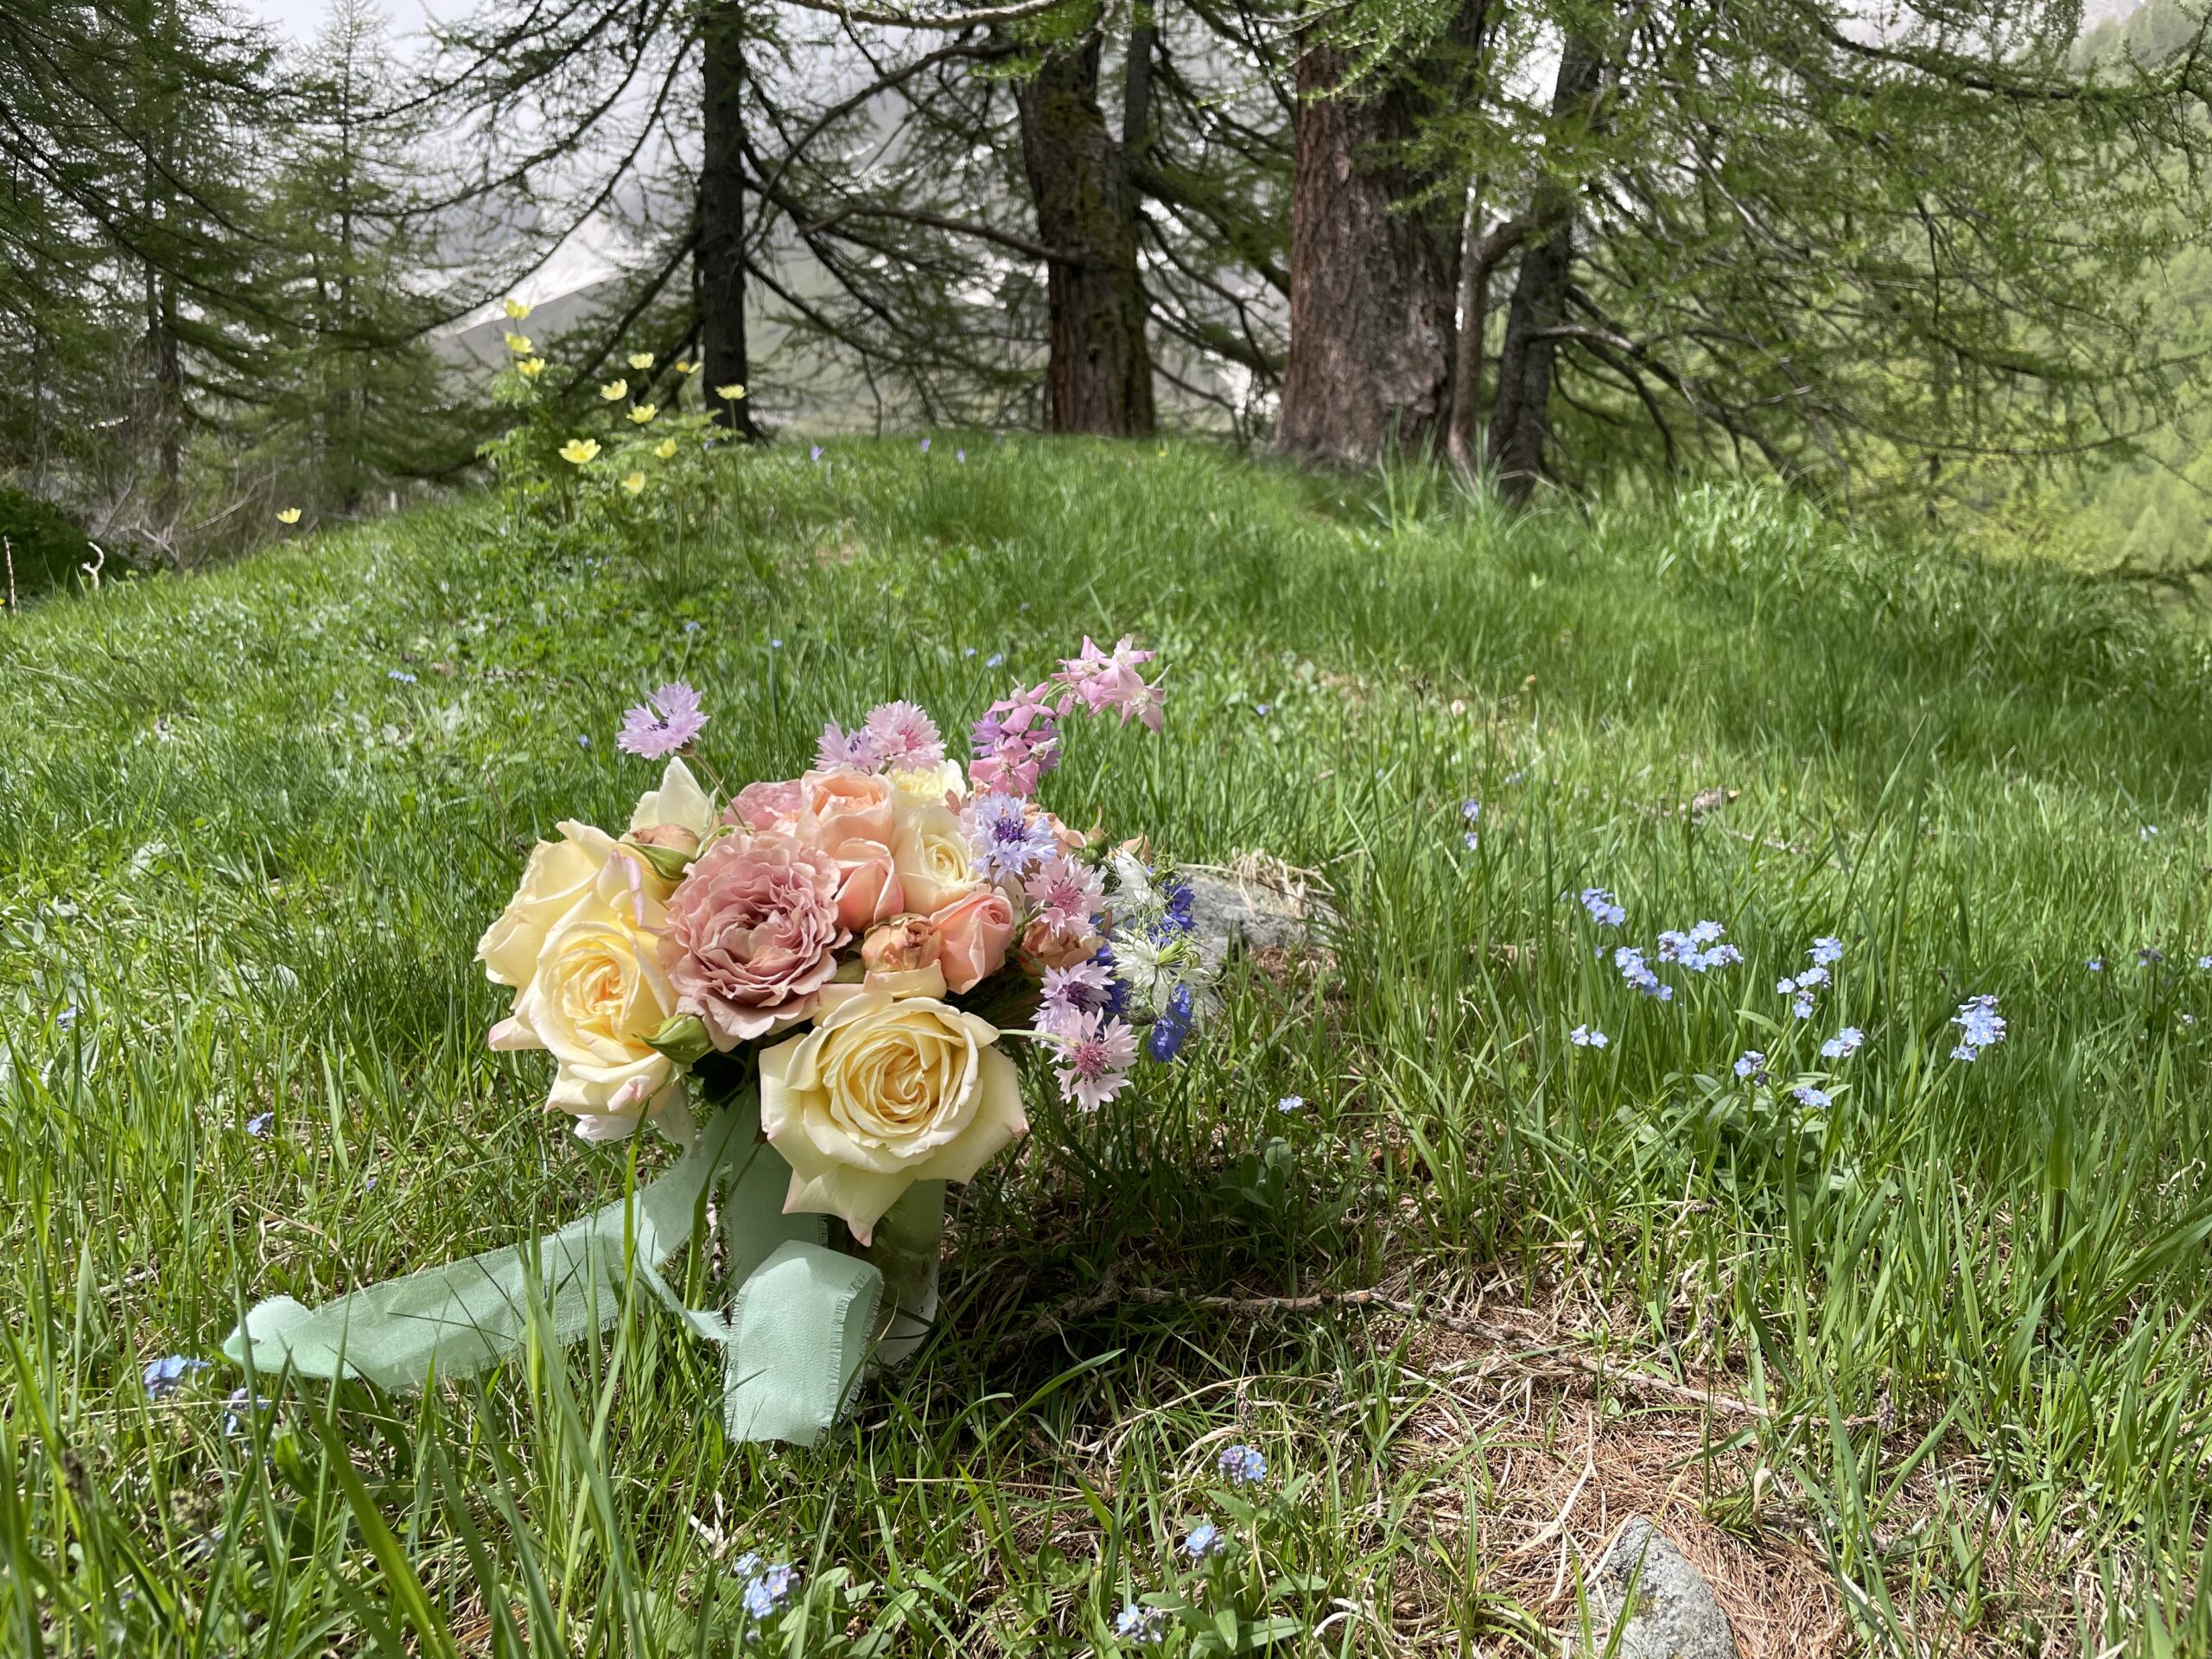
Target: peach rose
{"points": [[1056, 944], [900, 944], [848, 815], [753, 935], [974, 932]]}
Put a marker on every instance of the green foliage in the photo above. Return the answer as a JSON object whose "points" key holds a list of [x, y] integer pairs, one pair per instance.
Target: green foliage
{"points": [[44, 548], [250, 866]]}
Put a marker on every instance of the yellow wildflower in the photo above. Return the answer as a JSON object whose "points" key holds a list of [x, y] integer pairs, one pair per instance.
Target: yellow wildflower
{"points": [[641, 360], [729, 394], [643, 414], [686, 368], [518, 344], [577, 451], [665, 448], [615, 390], [517, 310], [289, 516], [533, 367], [635, 482]]}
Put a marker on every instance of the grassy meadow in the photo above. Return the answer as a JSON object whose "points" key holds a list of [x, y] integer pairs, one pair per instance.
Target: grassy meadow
{"points": [[1924, 1369]]}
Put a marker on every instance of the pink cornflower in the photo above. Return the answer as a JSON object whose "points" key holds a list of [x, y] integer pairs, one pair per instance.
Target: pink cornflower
{"points": [[1067, 890], [1094, 1060], [1107, 680], [905, 737], [839, 747], [666, 721]]}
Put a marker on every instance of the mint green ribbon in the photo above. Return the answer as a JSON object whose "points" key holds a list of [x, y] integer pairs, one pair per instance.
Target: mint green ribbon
{"points": [[796, 1338]]}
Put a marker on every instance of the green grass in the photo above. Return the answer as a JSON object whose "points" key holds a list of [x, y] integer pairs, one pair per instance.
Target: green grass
{"points": [[1967, 1301]]}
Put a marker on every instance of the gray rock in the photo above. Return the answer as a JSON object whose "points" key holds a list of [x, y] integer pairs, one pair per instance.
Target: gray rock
{"points": [[1247, 915], [1674, 1615]]}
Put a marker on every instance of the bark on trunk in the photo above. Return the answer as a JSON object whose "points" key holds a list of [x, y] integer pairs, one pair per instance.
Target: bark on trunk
{"points": [[1098, 375], [1521, 419], [1371, 291], [718, 256]]}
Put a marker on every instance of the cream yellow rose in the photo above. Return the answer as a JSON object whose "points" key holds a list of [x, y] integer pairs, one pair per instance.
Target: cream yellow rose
{"points": [[596, 995], [589, 865], [883, 1092], [930, 853]]}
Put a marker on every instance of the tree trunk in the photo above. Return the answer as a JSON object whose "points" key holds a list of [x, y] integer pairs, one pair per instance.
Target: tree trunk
{"points": [[1520, 420], [718, 256], [1371, 290], [1098, 374], [1479, 252]]}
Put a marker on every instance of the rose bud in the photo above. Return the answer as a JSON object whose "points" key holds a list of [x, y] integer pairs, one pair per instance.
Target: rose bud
{"points": [[683, 840], [899, 945]]}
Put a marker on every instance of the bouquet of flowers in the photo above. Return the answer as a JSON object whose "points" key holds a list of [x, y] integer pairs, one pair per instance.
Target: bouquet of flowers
{"points": [[812, 986]]}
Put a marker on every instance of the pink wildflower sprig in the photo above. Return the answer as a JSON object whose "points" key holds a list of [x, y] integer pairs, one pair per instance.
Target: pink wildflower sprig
{"points": [[1017, 740], [664, 723], [1109, 679]]}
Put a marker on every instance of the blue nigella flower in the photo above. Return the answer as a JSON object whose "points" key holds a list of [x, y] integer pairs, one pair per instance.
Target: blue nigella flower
{"points": [[1172, 1029]]}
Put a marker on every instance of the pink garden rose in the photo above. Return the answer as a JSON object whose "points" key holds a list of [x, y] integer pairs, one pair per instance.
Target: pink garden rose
{"points": [[766, 806], [753, 935], [848, 815], [973, 932]]}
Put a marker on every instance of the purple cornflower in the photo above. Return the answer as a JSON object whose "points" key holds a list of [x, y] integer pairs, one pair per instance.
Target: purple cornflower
{"points": [[840, 747], [1085, 987], [667, 721], [1006, 844], [905, 737]]}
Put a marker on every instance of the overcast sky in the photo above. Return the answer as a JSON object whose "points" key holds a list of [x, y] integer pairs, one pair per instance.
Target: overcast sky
{"points": [[301, 18]]}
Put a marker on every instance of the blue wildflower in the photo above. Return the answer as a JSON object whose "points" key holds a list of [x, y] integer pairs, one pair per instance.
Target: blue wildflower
{"points": [[1980, 1027], [1204, 1541], [1244, 1465], [166, 1376], [1471, 811], [258, 1125], [1843, 1045], [1603, 910], [402, 676], [766, 1589], [1826, 950], [1751, 1065], [1583, 1037], [1145, 1626], [1291, 1103], [1812, 1099]]}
